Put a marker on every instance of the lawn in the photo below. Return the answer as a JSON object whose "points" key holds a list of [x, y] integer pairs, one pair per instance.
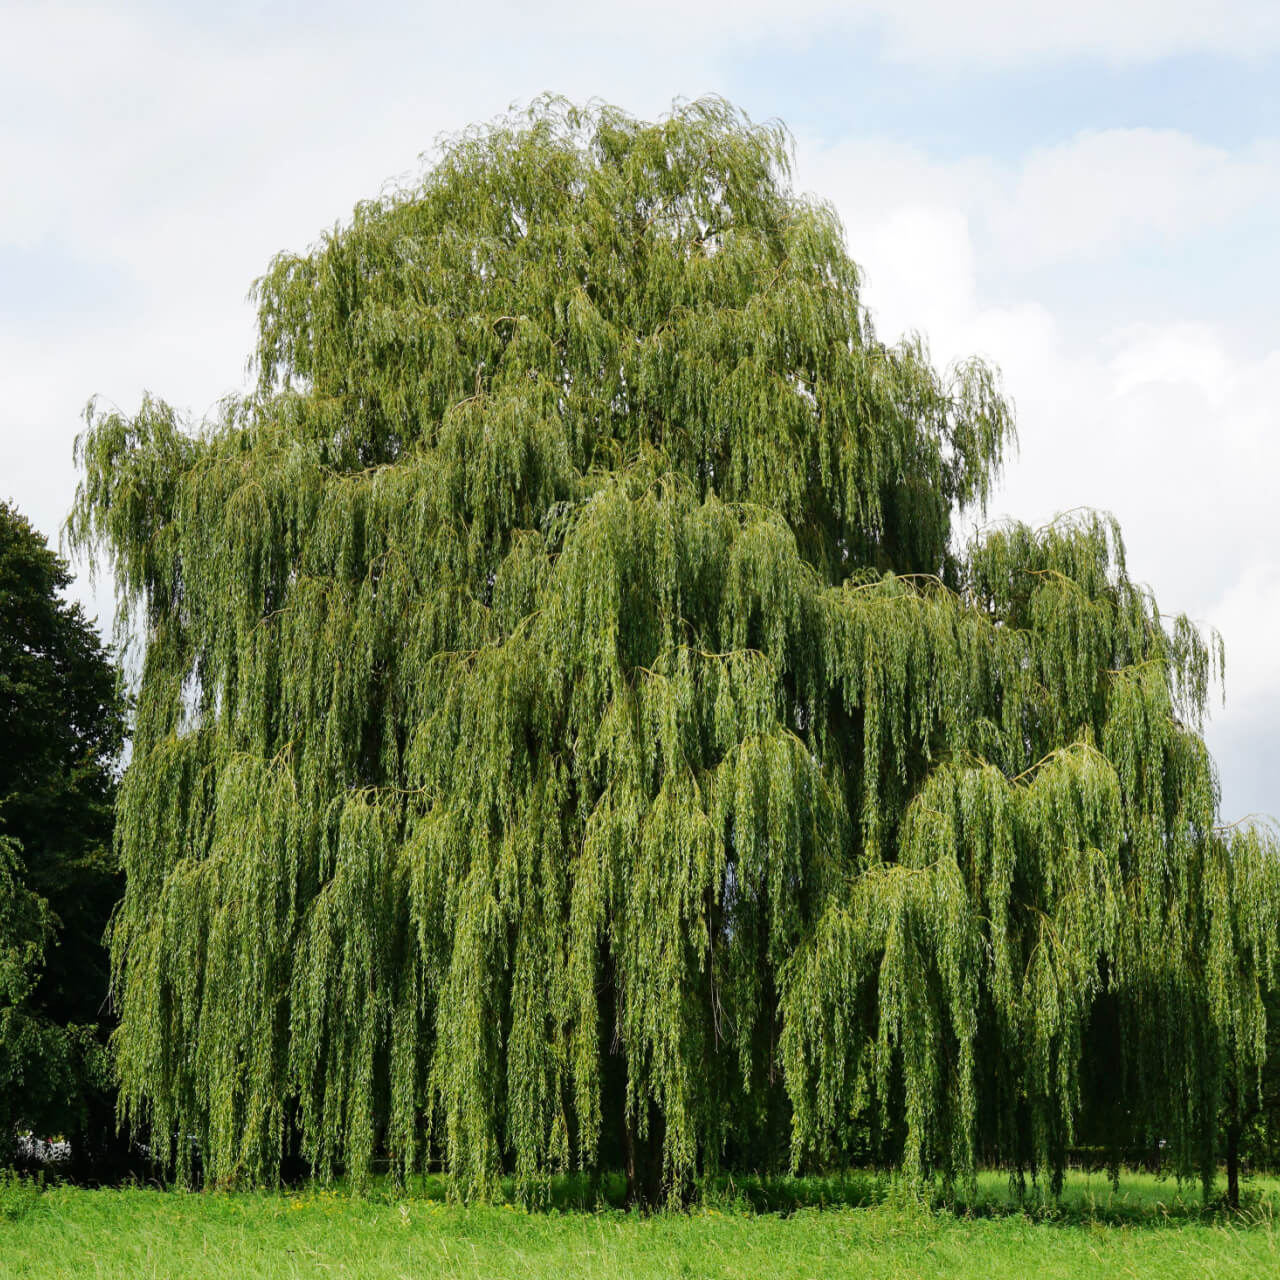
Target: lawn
{"points": [[1148, 1229]]}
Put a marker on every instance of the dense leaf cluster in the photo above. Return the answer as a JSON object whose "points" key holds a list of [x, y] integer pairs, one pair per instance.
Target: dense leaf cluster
{"points": [[567, 733], [61, 722]]}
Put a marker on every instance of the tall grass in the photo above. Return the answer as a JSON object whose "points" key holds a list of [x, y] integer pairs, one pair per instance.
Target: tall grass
{"points": [[855, 1225]]}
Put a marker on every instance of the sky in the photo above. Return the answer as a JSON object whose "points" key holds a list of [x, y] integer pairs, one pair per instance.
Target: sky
{"points": [[1085, 195]]}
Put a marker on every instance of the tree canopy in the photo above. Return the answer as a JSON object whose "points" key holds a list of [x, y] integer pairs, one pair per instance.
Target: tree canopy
{"points": [[61, 723], [569, 732]]}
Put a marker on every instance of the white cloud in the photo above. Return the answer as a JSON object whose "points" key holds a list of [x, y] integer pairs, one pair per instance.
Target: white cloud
{"points": [[1004, 31], [1248, 615], [1104, 191], [937, 31], [1092, 198], [281, 65]]}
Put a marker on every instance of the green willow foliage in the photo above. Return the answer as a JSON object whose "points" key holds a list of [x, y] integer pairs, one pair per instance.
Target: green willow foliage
{"points": [[566, 735]]}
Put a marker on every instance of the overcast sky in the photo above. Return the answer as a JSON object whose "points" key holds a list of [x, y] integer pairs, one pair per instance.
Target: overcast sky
{"points": [[1085, 194]]}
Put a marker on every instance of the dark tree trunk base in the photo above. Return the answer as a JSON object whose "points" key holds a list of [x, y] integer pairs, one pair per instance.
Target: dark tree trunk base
{"points": [[1233, 1165]]}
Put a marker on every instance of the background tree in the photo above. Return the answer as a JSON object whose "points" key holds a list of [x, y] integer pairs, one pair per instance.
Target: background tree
{"points": [[568, 733], [61, 723]]}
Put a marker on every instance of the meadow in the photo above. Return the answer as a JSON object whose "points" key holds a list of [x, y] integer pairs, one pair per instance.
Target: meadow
{"points": [[854, 1226]]}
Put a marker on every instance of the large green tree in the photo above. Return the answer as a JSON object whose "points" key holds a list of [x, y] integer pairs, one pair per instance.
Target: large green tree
{"points": [[61, 725], [569, 733]]}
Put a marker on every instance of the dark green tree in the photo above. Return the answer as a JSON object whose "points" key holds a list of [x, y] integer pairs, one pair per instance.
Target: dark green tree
{"points": [[569, 733], [61, 726]]}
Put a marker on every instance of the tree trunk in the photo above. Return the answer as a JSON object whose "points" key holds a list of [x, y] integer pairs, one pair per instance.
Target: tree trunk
{"points": [[629, 1151], [1233, 1164], [643, 1160]]}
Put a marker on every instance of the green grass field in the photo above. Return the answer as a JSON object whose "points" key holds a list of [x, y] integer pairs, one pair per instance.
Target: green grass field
{"points": [[1149, 1228]]}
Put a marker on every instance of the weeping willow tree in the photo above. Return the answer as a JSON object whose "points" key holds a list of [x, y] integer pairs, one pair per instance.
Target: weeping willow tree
{"points": [[569, 736]]}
